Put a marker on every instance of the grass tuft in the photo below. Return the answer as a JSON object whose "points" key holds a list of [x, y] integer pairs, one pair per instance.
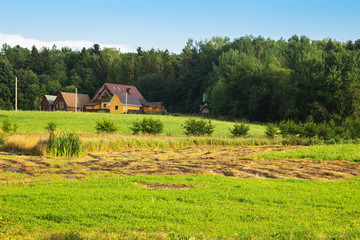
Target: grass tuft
{"points": [[65, 145]]}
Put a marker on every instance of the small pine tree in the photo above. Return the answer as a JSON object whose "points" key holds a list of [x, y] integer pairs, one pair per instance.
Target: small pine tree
{"points": [[8, 126], [271, 130], [147, 126], [240, 130], [198, 127], [106, 125]]}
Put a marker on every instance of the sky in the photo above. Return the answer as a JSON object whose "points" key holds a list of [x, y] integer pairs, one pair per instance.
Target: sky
{"points": [[169, 24]]}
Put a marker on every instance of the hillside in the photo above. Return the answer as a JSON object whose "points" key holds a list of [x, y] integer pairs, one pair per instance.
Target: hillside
{"points": [[35, 122]]}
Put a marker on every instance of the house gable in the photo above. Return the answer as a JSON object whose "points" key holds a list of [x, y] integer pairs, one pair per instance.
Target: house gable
{"points": [[66, 101], [59, 103], [116, 105], [47, 103]]}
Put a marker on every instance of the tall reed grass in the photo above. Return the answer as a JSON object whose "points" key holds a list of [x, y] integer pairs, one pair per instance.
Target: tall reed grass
{"points": [[65, 145]]}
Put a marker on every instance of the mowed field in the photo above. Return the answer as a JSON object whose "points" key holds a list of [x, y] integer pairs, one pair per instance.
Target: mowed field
{"points": [[229, 191]]}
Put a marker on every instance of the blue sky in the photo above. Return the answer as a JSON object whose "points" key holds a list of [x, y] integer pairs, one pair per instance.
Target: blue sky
{"points": [[160, 24]]}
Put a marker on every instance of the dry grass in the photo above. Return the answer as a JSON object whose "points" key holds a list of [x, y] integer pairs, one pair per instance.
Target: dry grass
{"points": [[36, 144], [219, 160], [28, 144]]}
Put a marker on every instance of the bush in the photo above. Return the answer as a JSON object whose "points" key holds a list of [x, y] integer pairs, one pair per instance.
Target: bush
{"points": [[288, 128], [339, 131], [147, 126], [308, 129], [51, 127], [271, 130], [8, 126], [65, 145], [107, 126], [240, 130], [325, 131], [198, 127], [163, 112], [352, 127]]}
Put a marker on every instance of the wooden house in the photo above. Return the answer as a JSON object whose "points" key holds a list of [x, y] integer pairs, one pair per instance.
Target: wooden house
{"points": [[66, 101], [117, 98], [204, 109], [47, 103]]}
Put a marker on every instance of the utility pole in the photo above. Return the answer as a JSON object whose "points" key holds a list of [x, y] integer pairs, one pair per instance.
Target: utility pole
{"points": [[15, 94], [128, 91], [126, 102], [75, 99]]}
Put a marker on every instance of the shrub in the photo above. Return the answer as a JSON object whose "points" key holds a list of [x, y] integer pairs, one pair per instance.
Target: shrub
{"points": [[107, 126], [325, 131], [271, 130], [8, 126], [339, 131], [288, 128], [352, 127], [51, 127], [240, 130], [198, 127], [308, 129], [65, 145], [163, 112], [147, 126]]}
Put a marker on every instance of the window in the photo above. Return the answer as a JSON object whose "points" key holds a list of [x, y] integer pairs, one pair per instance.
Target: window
{"points": [[114, 88], [118, 88], [60, 105], [104, 105], [116, 107]]}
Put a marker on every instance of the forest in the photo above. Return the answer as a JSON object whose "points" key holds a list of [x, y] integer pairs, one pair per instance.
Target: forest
{"points": [[248, 78]]}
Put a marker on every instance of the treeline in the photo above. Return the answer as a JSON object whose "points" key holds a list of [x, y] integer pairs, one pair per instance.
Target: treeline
{"points": [[248, 78]]}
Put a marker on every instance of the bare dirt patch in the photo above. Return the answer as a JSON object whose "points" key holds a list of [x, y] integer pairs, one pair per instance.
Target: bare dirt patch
{"points": [[228, 161]]}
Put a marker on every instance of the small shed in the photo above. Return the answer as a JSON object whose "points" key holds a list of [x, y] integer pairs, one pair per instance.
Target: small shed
{"points": [[204, 109], [47, 103]]}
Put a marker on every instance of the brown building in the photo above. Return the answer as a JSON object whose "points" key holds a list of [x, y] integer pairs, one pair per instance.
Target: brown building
{"points": [[204, 109], [66, 101], [47, 102]]}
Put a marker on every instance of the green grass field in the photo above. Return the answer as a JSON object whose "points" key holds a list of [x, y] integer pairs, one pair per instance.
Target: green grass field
{"points": [[43, 197], [35, 122], [205, 207], [348, 152]]}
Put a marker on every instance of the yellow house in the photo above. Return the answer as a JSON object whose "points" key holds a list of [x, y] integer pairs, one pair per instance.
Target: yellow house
{"points": [[116, 98], [120, 103]]}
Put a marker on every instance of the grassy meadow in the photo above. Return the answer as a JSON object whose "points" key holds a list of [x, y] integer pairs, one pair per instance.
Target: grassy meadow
{"points": [[180, 207], [347, 152], [172, 186], [30, 122]]}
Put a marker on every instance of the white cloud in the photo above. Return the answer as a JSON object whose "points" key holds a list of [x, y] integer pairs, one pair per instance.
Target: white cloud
{"points": [[17, 39]]}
